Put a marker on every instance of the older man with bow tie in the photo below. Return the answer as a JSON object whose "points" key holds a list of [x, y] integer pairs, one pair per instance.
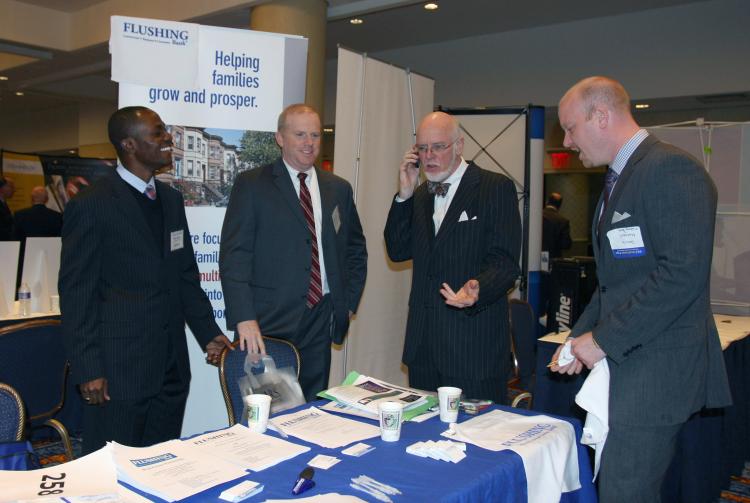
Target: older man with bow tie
{"points": [[462, 229]]}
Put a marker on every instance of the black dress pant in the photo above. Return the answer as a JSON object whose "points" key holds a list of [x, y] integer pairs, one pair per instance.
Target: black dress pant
{"points": [[313, 341]]}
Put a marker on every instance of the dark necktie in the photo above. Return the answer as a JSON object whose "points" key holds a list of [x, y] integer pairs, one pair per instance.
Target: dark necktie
{"points": [[609, 183], [438, 188], [315, 290], [150, 192]]}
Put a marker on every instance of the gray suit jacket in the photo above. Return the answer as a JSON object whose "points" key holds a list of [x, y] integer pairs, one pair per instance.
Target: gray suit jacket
{"points": [[266, 251], [473, 342], [651, 313]]}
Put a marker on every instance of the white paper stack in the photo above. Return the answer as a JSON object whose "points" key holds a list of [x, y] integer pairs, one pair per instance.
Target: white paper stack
{"points": [[327, 430], [171, 470], [442, 450], [89, 476], [244, 448]]}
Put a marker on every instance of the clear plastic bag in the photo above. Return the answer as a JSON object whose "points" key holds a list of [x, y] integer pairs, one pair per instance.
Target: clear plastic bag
{"points": [[262, 377]]}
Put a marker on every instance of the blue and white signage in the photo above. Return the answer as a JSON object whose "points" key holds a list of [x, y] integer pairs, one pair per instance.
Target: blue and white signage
{"points": [[207, 76]]}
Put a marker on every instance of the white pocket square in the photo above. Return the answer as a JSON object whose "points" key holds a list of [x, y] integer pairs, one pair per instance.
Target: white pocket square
{"points": [[619, 217], [464, 217]]}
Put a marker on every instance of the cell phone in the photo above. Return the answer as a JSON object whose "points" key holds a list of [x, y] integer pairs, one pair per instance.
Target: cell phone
{"points": [[415, 165]]}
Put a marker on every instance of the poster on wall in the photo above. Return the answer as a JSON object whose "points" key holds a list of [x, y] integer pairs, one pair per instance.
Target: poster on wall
{"points": [[220, 91], [26, 172]]}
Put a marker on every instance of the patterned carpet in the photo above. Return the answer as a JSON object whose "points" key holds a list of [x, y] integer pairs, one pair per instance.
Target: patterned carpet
{"points": [[53, 453], [739, 488]]}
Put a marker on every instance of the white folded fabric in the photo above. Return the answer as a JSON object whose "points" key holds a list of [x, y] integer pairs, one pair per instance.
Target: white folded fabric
{"points": [[594, 399]]}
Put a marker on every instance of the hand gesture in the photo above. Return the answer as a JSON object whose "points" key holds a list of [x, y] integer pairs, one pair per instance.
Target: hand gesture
{"points": [[95, 392], [467, 296]]}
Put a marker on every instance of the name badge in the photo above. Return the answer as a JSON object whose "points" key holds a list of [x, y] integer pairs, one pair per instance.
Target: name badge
{"points": [[626, 242], [176, 240], [336, 217]]}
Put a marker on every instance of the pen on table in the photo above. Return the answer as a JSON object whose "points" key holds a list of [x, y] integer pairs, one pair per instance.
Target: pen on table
{"points": [[274, 427], [304, 481]]}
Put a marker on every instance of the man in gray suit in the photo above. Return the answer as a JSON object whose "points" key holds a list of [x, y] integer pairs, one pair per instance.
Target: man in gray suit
{"points": [[462, 229], [293, 258], [651, 315], [128, 283]]}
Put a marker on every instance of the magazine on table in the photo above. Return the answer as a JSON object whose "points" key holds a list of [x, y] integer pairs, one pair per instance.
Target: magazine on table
{"points": [[365, 393]]}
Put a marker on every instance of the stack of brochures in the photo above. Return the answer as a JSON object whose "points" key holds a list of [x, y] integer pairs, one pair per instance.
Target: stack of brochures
{"points": [[365, 393]]}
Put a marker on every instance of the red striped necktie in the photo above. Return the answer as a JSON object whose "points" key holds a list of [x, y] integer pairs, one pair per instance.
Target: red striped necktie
{"points": [[315, 290]]}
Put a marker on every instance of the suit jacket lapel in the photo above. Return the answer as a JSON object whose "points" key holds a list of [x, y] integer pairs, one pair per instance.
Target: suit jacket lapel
{"points": [[285, 186], [128, 206], [467, 192]]}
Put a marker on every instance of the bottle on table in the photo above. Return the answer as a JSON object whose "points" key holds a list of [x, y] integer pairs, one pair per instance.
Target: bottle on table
{"points": [[24, 300]]}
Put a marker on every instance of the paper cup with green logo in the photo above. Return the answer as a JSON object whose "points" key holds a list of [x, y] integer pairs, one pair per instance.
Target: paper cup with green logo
{"points": [[391, 416], [450, 399], [258, 407]]}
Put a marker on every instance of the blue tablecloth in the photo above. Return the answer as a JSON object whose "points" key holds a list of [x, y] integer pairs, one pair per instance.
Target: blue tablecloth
{"points": [[482, 476], [713, 444]]}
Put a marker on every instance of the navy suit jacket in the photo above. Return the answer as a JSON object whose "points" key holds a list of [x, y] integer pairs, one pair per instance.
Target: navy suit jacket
{"points": [[37, 221], [473, 342], [124, 298], [266, 251], [651, 312]]}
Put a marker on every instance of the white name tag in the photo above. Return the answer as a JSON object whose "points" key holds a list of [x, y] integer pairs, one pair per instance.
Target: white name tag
{"points": [[336, 219], [626, 242], [176, 240]]}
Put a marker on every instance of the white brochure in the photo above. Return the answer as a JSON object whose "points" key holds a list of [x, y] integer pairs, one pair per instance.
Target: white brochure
{"points": [[171, 470], [318, 427], [244, 448]]}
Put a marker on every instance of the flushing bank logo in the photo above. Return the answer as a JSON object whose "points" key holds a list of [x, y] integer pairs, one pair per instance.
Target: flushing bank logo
{"points": [[154, 33]]}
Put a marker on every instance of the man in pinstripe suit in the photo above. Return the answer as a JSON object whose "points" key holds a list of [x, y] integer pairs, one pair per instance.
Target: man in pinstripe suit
{"points": [[462, 229], [651, 315], [128, 282]]}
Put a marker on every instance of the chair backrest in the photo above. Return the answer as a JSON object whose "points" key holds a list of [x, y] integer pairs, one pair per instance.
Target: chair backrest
{"points": [[32, 360], [12, 416], [232, 369], [523, 333]]}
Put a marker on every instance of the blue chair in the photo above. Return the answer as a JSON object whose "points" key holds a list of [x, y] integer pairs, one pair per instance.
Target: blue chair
{"points": [[523, 343], [232, 369], [12, 415], [32, 360]]}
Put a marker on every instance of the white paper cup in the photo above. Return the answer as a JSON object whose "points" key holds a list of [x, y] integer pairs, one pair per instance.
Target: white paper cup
{"points": [[258, 407], [391, 416], [450, 398], [54, 303]]}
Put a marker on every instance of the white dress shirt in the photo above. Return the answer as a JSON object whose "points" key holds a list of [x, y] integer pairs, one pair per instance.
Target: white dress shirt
{"points": [[442, 203], [133, 180]]}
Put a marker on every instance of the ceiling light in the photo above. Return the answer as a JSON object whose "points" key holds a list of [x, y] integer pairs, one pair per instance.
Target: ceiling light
{"points": [[3, 77], [356, 20], [328, 130], [19, 93], [641, 106], [431, 6], [72, 151]]}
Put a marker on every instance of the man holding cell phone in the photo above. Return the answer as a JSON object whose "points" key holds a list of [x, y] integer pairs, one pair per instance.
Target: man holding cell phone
{"points": [[462, 229]]}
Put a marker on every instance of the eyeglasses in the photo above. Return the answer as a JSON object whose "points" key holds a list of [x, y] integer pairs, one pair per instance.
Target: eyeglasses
{"points": [[435, 148]]}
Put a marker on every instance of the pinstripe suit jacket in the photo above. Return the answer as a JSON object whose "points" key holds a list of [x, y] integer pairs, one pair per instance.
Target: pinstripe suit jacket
{"points": [[266, 251], [124, 300], [473, 342], [651, 314]]}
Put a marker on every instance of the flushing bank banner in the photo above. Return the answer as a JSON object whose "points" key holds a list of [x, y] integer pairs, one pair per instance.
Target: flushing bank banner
{"points": [[207, 76]]}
